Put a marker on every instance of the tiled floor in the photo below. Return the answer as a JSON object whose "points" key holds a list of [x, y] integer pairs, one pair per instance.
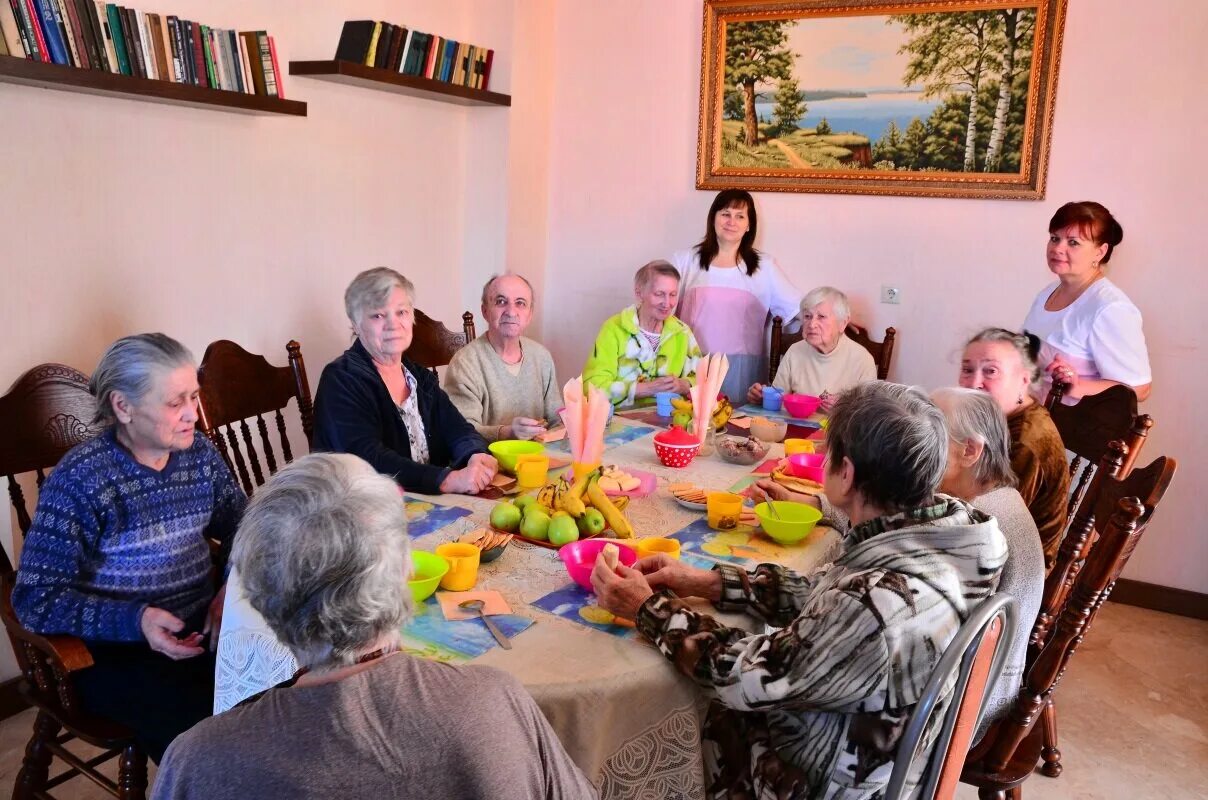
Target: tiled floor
{"points": [[1133, 715]]}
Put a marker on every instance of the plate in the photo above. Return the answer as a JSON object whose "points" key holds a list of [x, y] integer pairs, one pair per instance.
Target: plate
{"points": [[649, 482], [689, 505]]}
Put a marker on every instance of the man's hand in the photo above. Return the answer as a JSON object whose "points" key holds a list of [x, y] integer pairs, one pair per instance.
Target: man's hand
{"points": [[159, 629]]}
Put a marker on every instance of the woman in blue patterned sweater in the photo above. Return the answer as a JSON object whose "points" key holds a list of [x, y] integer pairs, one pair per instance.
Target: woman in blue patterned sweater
{"points": [[118, 554]]}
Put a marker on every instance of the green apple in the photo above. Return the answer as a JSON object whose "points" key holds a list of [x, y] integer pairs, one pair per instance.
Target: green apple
{"points": [[505, 517], [682, 419], [591, 523], [535, 524], [562, 529], [524, 501]]}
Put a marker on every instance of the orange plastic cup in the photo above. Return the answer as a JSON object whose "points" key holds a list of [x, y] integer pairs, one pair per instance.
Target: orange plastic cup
{"points": [[794, 446], [657, 544], [722, 509], [531, 471], [463, 566], [581, 471]]}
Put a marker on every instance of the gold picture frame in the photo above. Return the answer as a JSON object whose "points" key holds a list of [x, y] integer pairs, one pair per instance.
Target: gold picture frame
{"points": [[929, 98]]}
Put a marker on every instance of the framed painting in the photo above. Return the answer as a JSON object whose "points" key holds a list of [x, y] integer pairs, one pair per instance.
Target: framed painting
{"points": [[935, 98]]}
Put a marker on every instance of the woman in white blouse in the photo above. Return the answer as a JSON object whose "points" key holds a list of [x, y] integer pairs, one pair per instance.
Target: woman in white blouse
{"points": [[1090, 332]]}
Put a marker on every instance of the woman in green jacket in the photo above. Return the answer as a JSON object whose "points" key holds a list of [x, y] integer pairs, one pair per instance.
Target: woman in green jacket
{"points": [[645, 349]]}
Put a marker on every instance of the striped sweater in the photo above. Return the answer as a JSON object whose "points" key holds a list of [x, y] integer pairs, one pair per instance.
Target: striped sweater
{"points": [[112, 536], [816, 708]]}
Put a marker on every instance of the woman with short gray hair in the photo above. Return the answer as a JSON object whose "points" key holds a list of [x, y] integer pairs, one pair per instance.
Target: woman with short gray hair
{"points": [[979, 472], [825, 696], [375, 403], [323, 555], [118, 553], [825, 361]]}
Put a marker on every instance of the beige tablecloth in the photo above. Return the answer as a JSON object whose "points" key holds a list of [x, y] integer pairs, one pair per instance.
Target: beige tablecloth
{"points": [[627, 718]]}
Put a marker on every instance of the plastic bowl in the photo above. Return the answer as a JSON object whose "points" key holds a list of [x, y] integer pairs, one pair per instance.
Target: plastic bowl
{"points": [[507, 451], [675, 455], [807, 465], [769, 430], [801, 405], [580, 558], [428, 569], [795, 523]]}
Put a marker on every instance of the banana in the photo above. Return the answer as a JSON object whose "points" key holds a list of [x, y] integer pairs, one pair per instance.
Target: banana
{"points": [[580, 487], [560, 490], [680, 404], [545, 497], [620, 501], [722, 413], [612, 515]]}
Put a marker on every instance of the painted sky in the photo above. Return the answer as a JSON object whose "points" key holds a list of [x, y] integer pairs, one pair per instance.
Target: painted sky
{"points": [[848, 53]]}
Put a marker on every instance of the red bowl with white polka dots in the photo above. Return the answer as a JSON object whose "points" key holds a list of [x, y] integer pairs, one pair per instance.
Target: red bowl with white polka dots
{"points": [[676, 455]]}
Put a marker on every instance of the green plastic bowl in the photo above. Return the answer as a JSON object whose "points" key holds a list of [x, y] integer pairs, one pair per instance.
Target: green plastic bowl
{"points": [[508, 450], [795, 523], [428, 569]]}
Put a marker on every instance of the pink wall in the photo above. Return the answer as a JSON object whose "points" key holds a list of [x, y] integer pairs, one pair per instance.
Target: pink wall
{"points": [[625, 103]]}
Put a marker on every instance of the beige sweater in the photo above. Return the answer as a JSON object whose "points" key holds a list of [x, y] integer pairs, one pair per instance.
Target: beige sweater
{"points": [[804, 370], [487, 395]]}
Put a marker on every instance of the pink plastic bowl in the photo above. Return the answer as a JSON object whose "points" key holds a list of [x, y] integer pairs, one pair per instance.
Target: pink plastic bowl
{"points": [[580, 557], [675, 455], [801, 405], [807, 465]]}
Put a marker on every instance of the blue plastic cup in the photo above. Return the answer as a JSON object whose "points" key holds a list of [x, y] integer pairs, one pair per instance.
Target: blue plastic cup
{"points": [[772, 398], [662, 403]]}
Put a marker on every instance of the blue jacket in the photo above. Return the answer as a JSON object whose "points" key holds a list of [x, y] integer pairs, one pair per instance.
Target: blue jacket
{"points": [[354, 413]]}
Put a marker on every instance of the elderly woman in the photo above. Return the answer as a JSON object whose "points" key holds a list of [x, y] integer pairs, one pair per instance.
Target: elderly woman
{"points": [[503, 383], [979, 472], [815, 708], [645, 349], [119, 555], [1090, 331], [731, 290], [323, 555], [375, 403], [825, 361], [1002, 364]]}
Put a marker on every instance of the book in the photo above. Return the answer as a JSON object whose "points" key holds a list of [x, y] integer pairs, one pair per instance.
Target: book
{"points": [[420, 58], [134, 53], [207, 55], [220, 75], [252, 45], [172, 29], [446, 69], [60, 14], [144, 43], [94, 39], [118, 31], [396, 47], [272, 50], [354, 41], [438, 45], [266, 64], [50, 32], [249, 86], [163, 64], [197, 56], [382, 51], [373, 40], [163, 48], [15, 39], [232, 47], [459, 64], [71, 20], [34, 26]]}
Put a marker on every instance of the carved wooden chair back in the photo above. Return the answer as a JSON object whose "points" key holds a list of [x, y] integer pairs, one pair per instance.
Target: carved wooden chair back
{"points": [[1010, 751], [433, 345], [48, 411], [1089, 426], [882, 352], [235, 387]]}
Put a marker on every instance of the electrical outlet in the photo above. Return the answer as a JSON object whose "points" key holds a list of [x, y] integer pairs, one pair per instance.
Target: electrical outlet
{"points": [[891, 294]]}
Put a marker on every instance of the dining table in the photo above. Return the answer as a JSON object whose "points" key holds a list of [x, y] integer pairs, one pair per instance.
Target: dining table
{"points": [[625, 715]]}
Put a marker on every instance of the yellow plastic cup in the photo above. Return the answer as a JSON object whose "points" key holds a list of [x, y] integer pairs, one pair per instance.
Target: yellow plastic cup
{"points": [[531, 471], [463, 566], [583, 470], [794, 446], [657, 544], [722, 510]]}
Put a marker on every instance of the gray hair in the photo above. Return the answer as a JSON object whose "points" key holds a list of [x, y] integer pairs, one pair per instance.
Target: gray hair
{"points": [[1027, 345], [322, 554], [837, 299], [370, 289], [896, 440], [130, 366], [646, 275], [486, 287], [974, 415]]}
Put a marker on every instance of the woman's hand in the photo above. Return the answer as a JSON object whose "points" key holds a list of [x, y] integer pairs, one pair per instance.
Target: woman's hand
{"points": [[755, 393], [213, 626], [473, 477], [664, 572], [767, 489], [160, 628], [1061, 372], [683, 387], [651, 388], [526, 428], [828, 402], [622, 591]]}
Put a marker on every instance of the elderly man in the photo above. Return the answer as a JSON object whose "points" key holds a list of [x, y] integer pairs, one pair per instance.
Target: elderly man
{"points": [[645, 349], [323, 555], [816, 708], [824, 362], [502, 382]]}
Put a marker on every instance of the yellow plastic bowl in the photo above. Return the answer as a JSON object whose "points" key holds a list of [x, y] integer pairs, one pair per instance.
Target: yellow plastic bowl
{"points": [[795, 523], [507, 451], [427, 570]]}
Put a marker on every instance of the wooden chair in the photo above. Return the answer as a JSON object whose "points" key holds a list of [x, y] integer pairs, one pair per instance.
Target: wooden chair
{"points": [[47, 412], [882, 352], [237, 385], [965, 675], [433, 345], [1087, 567]]}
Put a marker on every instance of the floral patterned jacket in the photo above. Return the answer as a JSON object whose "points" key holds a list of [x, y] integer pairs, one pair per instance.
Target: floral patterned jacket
{"points": [[816, 708], [622, 356]]}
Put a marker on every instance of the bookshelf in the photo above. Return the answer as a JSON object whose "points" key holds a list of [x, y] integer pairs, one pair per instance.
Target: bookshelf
{"points": [[385, 80], [15, 69]]}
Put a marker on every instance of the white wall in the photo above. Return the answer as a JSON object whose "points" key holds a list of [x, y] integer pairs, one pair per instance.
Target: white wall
{"points": [[622, 175]]}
